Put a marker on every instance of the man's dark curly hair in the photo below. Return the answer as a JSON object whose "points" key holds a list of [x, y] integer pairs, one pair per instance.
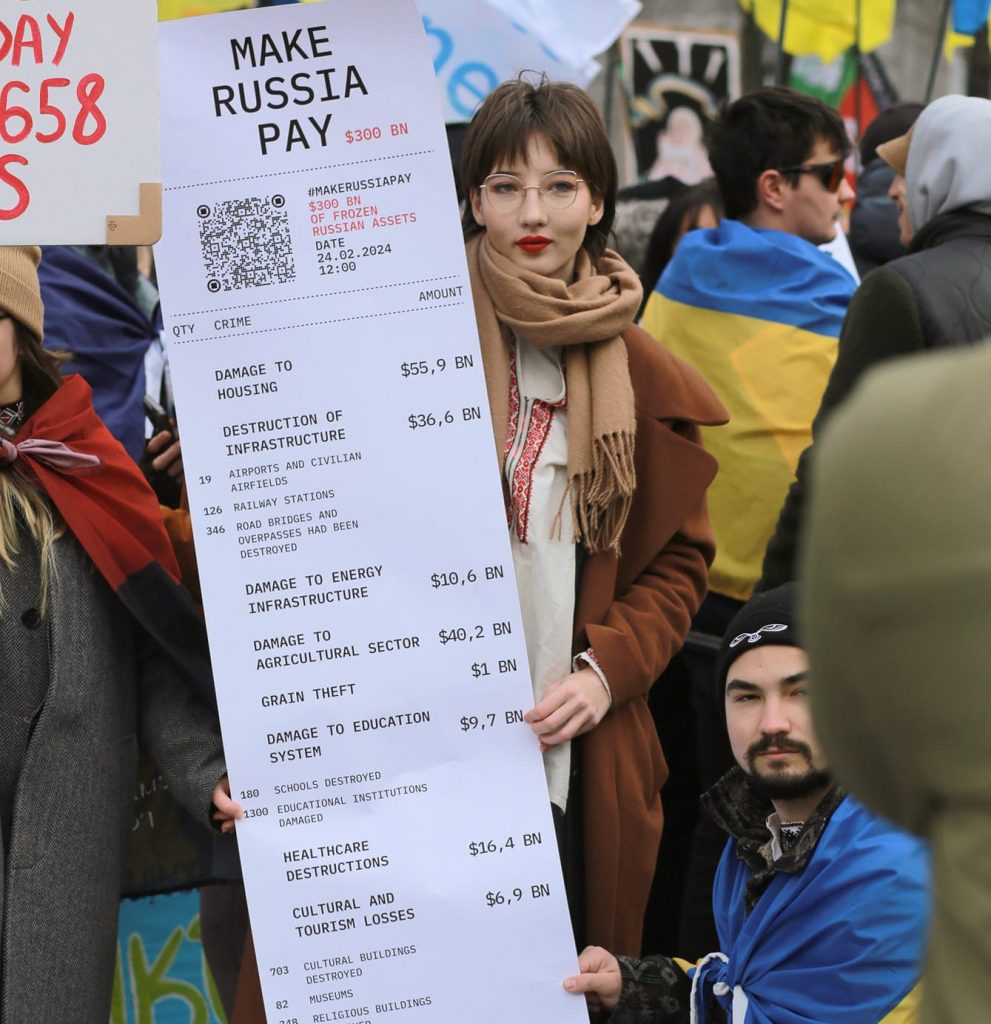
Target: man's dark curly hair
{"points": [[769, 128]]}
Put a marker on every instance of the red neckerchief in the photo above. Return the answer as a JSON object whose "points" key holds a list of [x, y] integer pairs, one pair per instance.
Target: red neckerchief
{"points": [[109, 506], [65, 451]]}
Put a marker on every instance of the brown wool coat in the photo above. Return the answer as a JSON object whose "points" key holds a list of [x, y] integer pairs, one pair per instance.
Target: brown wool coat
{"points": [[635, 612]]}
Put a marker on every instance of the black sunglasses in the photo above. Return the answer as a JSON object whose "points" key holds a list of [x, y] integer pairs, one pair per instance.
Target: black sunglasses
{"points": [[830, 175]]}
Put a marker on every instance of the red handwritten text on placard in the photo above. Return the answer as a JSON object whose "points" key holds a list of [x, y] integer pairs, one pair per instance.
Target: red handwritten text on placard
{"points": [[28, 36], [45, 112]]}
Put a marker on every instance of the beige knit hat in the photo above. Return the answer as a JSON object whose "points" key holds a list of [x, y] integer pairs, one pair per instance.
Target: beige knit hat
{"points": [[894, 152], [20, 295]]}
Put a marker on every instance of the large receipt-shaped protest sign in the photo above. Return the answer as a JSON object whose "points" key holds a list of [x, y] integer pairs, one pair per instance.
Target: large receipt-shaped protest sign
{"points": [[398, 847], [79, 142]]}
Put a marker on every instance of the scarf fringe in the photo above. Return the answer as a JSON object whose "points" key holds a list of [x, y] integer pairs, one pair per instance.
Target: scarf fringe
{"points": [[602, 497]]}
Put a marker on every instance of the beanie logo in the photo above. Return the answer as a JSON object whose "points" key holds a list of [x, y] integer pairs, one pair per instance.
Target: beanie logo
{"points": [[752, 638]]}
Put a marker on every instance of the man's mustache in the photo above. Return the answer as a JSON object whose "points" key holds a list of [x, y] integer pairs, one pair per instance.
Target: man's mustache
{"points": [[778, 743]]}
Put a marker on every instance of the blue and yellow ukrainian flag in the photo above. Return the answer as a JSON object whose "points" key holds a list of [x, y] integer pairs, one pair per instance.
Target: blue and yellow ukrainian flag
{"points": [[758, 313]]}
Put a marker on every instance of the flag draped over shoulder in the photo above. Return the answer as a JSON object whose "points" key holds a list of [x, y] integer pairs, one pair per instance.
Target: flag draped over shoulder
{"points": [[758, 313], [840, 941], [826, 27], [89, 315]]}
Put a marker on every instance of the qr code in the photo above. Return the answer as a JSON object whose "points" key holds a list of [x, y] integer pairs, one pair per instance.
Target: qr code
{"points": [[246, 243]]}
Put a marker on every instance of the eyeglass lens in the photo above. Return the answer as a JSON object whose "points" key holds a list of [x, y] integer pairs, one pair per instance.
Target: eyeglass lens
{"points": [[557, 189]]}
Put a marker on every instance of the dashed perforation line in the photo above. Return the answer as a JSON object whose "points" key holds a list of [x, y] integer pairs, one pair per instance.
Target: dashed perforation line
{"points": [[319, 323], [279, 174], [319, 295]]}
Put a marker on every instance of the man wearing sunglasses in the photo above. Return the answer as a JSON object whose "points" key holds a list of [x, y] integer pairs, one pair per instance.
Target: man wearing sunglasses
{"points": [[937, 296], [756, 307]]}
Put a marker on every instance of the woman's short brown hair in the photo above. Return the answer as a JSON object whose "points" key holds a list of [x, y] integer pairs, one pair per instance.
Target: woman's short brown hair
{"points": [[564, 115]]}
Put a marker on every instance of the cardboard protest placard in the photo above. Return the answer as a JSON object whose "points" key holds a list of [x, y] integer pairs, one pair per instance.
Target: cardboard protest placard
{"points": [[79, 149]]}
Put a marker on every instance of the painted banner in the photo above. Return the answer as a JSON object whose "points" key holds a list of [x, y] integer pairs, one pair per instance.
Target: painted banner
{"points": [[79, 142], [350, 526], [161, 976], [677, 79]]}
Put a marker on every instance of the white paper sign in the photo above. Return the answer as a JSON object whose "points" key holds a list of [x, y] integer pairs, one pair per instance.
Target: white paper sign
{"points": [[399, 852], [78, 121]]}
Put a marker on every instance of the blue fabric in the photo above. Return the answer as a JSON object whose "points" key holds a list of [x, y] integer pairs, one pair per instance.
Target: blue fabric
{"points": [[90, 315], [970, 15], [760, 273], [841, 941]]}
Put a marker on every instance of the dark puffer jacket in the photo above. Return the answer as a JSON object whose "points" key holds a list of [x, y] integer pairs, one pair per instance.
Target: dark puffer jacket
{"points": [[938, 296]]}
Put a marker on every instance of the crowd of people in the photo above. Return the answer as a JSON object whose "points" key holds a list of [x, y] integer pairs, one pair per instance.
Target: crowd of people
{"points": [[676, 448]]}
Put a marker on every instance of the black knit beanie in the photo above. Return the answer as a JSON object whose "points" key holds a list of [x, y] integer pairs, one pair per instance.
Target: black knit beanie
{"points": [[891, 123], [767, 618]]}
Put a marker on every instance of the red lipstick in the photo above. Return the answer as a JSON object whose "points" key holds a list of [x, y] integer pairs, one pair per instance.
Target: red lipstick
{"points": [[533, 244]]}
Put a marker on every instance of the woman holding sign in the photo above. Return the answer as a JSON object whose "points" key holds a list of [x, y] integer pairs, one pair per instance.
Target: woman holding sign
{"points": [[87, 579], [597, 435]]}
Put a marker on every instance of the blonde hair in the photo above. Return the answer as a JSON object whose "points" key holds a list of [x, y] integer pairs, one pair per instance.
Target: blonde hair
{"points": [[23, 508]]}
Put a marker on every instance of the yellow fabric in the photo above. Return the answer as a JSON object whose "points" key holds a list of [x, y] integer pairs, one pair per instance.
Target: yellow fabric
{"points": [[171, 9], [825, 27], [907, 1011], [770, 377], [956, 40]]}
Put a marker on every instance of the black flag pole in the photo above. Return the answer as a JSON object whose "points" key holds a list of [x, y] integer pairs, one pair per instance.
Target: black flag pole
{"points": [[858, 103], [944, 23], [779, 66]]}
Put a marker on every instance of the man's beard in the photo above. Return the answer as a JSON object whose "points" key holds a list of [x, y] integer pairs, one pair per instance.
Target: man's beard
{"points": [[780, 786]]}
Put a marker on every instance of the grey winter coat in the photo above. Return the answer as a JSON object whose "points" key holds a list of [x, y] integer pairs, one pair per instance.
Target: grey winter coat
{"points": [[80, 687]]}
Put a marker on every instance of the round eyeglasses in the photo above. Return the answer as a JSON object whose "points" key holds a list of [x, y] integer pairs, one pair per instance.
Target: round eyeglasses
{"points": [[557, 189]]}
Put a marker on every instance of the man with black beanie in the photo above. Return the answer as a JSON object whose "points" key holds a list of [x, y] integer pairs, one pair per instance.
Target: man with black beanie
{"points": [[820, 906]]}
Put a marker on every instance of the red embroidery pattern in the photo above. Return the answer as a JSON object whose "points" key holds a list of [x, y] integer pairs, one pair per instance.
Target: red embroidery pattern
{"points": [[536, 430]]}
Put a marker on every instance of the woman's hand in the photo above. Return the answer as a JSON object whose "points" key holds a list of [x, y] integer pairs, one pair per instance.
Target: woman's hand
{"points": [[168, 454], [227, 811], [600, 979], [573, 705]]}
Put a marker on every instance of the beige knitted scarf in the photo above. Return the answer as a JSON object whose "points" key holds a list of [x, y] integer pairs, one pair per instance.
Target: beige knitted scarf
{"points": [[587, 318]]}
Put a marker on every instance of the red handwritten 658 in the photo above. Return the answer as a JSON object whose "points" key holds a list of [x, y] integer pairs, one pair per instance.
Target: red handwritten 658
{"points": [[17, 122]]}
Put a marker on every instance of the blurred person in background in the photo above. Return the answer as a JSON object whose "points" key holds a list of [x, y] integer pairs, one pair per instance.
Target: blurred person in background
{"points": [[897, 601], [698, 206], [936, 296], [90, 611], [756, 308], [874, 233]]}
